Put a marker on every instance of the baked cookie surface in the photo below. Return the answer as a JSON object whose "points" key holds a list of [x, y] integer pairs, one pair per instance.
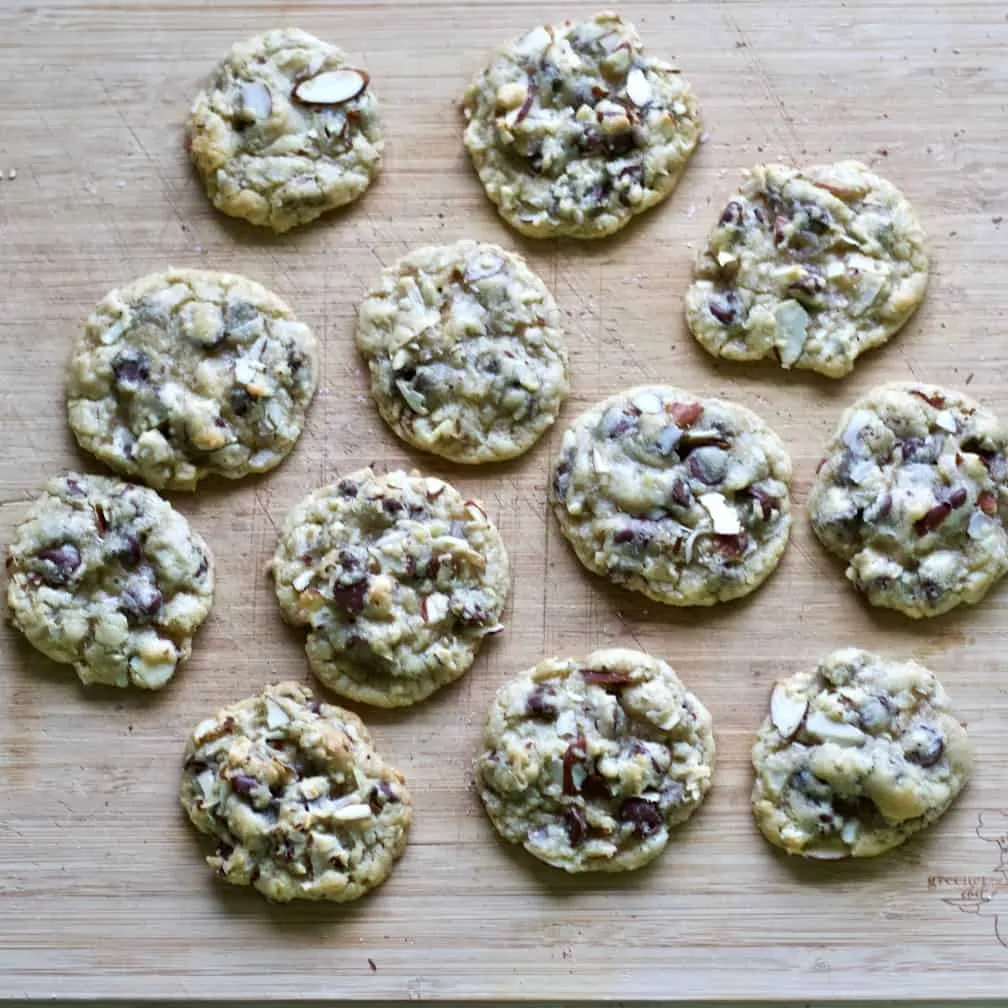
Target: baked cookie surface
{"points": [[185, 373], [856, 756], [589, 764], [682, 498], [109, 577], [812, 267], [299, 802], [573, 129], [285, 130], [465, 350], [398, 579], [913, 495]]}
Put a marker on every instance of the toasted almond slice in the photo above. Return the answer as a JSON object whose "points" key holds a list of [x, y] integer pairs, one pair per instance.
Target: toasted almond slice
{"points": [[350, 813], [786, 711], [333, 87], [826, 853], [819, 725], [256, 101], [637, 87], [724, 517], [275, 714]]}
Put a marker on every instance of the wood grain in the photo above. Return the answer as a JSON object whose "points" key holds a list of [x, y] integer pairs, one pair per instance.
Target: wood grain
{"points": [[102, 887]]}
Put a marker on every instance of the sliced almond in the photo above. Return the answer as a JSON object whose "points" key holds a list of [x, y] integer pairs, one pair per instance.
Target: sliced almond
{"points": [[786, 711], [637, 88], [826, 853], [792, 331], [256, 101], [724, 517], [350, 813], [275, 714], [819, 725], [333, 87]]}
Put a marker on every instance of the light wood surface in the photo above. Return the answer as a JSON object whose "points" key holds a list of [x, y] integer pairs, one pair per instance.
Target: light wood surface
{"points": [[102, 888]]}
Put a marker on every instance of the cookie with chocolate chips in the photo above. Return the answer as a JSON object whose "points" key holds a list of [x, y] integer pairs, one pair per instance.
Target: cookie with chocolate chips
{"points": [[466, 354], [573, 129], [300, 804], [109, 577], [397, 578], [682, 498], [856, 756], [285, 130], [811, 267], [913, 495], [589, 765], [185, 373]]}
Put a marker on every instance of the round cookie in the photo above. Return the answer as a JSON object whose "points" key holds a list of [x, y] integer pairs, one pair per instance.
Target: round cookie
{"points": [[681, 498], [856, 756], [299, 802], [588, 765], [190, 372], [913, 495], [465, 350], [398, 579], [573, 129], [812, 267], [285, 130], [108, 577]]}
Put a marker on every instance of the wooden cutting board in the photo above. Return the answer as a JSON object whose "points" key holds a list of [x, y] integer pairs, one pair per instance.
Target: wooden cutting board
{"points": [[102, 888]]}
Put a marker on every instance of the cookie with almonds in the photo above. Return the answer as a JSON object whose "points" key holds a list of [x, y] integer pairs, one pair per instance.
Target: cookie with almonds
{"points": [[812, 267], [109, 577], [285, 130], [298, 800], [682, 498], [590, 764], [913, 495], [397, 578], [856, 756], [574, 129]]}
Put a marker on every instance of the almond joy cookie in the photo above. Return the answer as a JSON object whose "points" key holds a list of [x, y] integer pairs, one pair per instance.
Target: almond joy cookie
{"points": [[574, 130], [813, 267], [465, 350], [190, 372], [109, 577], [856, 756], [913, 495], [398, 579], [680, 498], [588, 765], [285, 130], [299, 802]]}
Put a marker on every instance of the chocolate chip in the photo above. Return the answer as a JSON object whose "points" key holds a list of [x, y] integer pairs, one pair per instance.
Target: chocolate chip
{"points": [[126, 549], [767, 504], [606, 677], [64, 560], [807, 783], [958, 497], [915, 449], [381, 795], [350, 598], [933, 518], [74, 489], [243, 784], [732, 214], [624, 535], [707, 464], [577, 750], [732, 546], [577, 825], [643, 815], [724, 308], [541, 703], [141, 599], [131, 367], [680, 492], [987, 503], [391, 506], [927, 746], [596, 787], [239, 400], [347, 488], [561, 479]]}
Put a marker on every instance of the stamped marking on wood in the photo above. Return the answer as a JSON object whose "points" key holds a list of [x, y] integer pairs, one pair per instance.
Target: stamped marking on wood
{"points": [[984, 895]]}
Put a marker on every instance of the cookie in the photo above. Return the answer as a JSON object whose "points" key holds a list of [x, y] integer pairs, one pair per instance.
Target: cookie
{"points": [[913, 495], [466, 355], [190, 372], [573, 129], [285, 130], [398, 579], [856, 756], [812, 267], [108, 577], [684, 499], [588, 765], [299, 802]]}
